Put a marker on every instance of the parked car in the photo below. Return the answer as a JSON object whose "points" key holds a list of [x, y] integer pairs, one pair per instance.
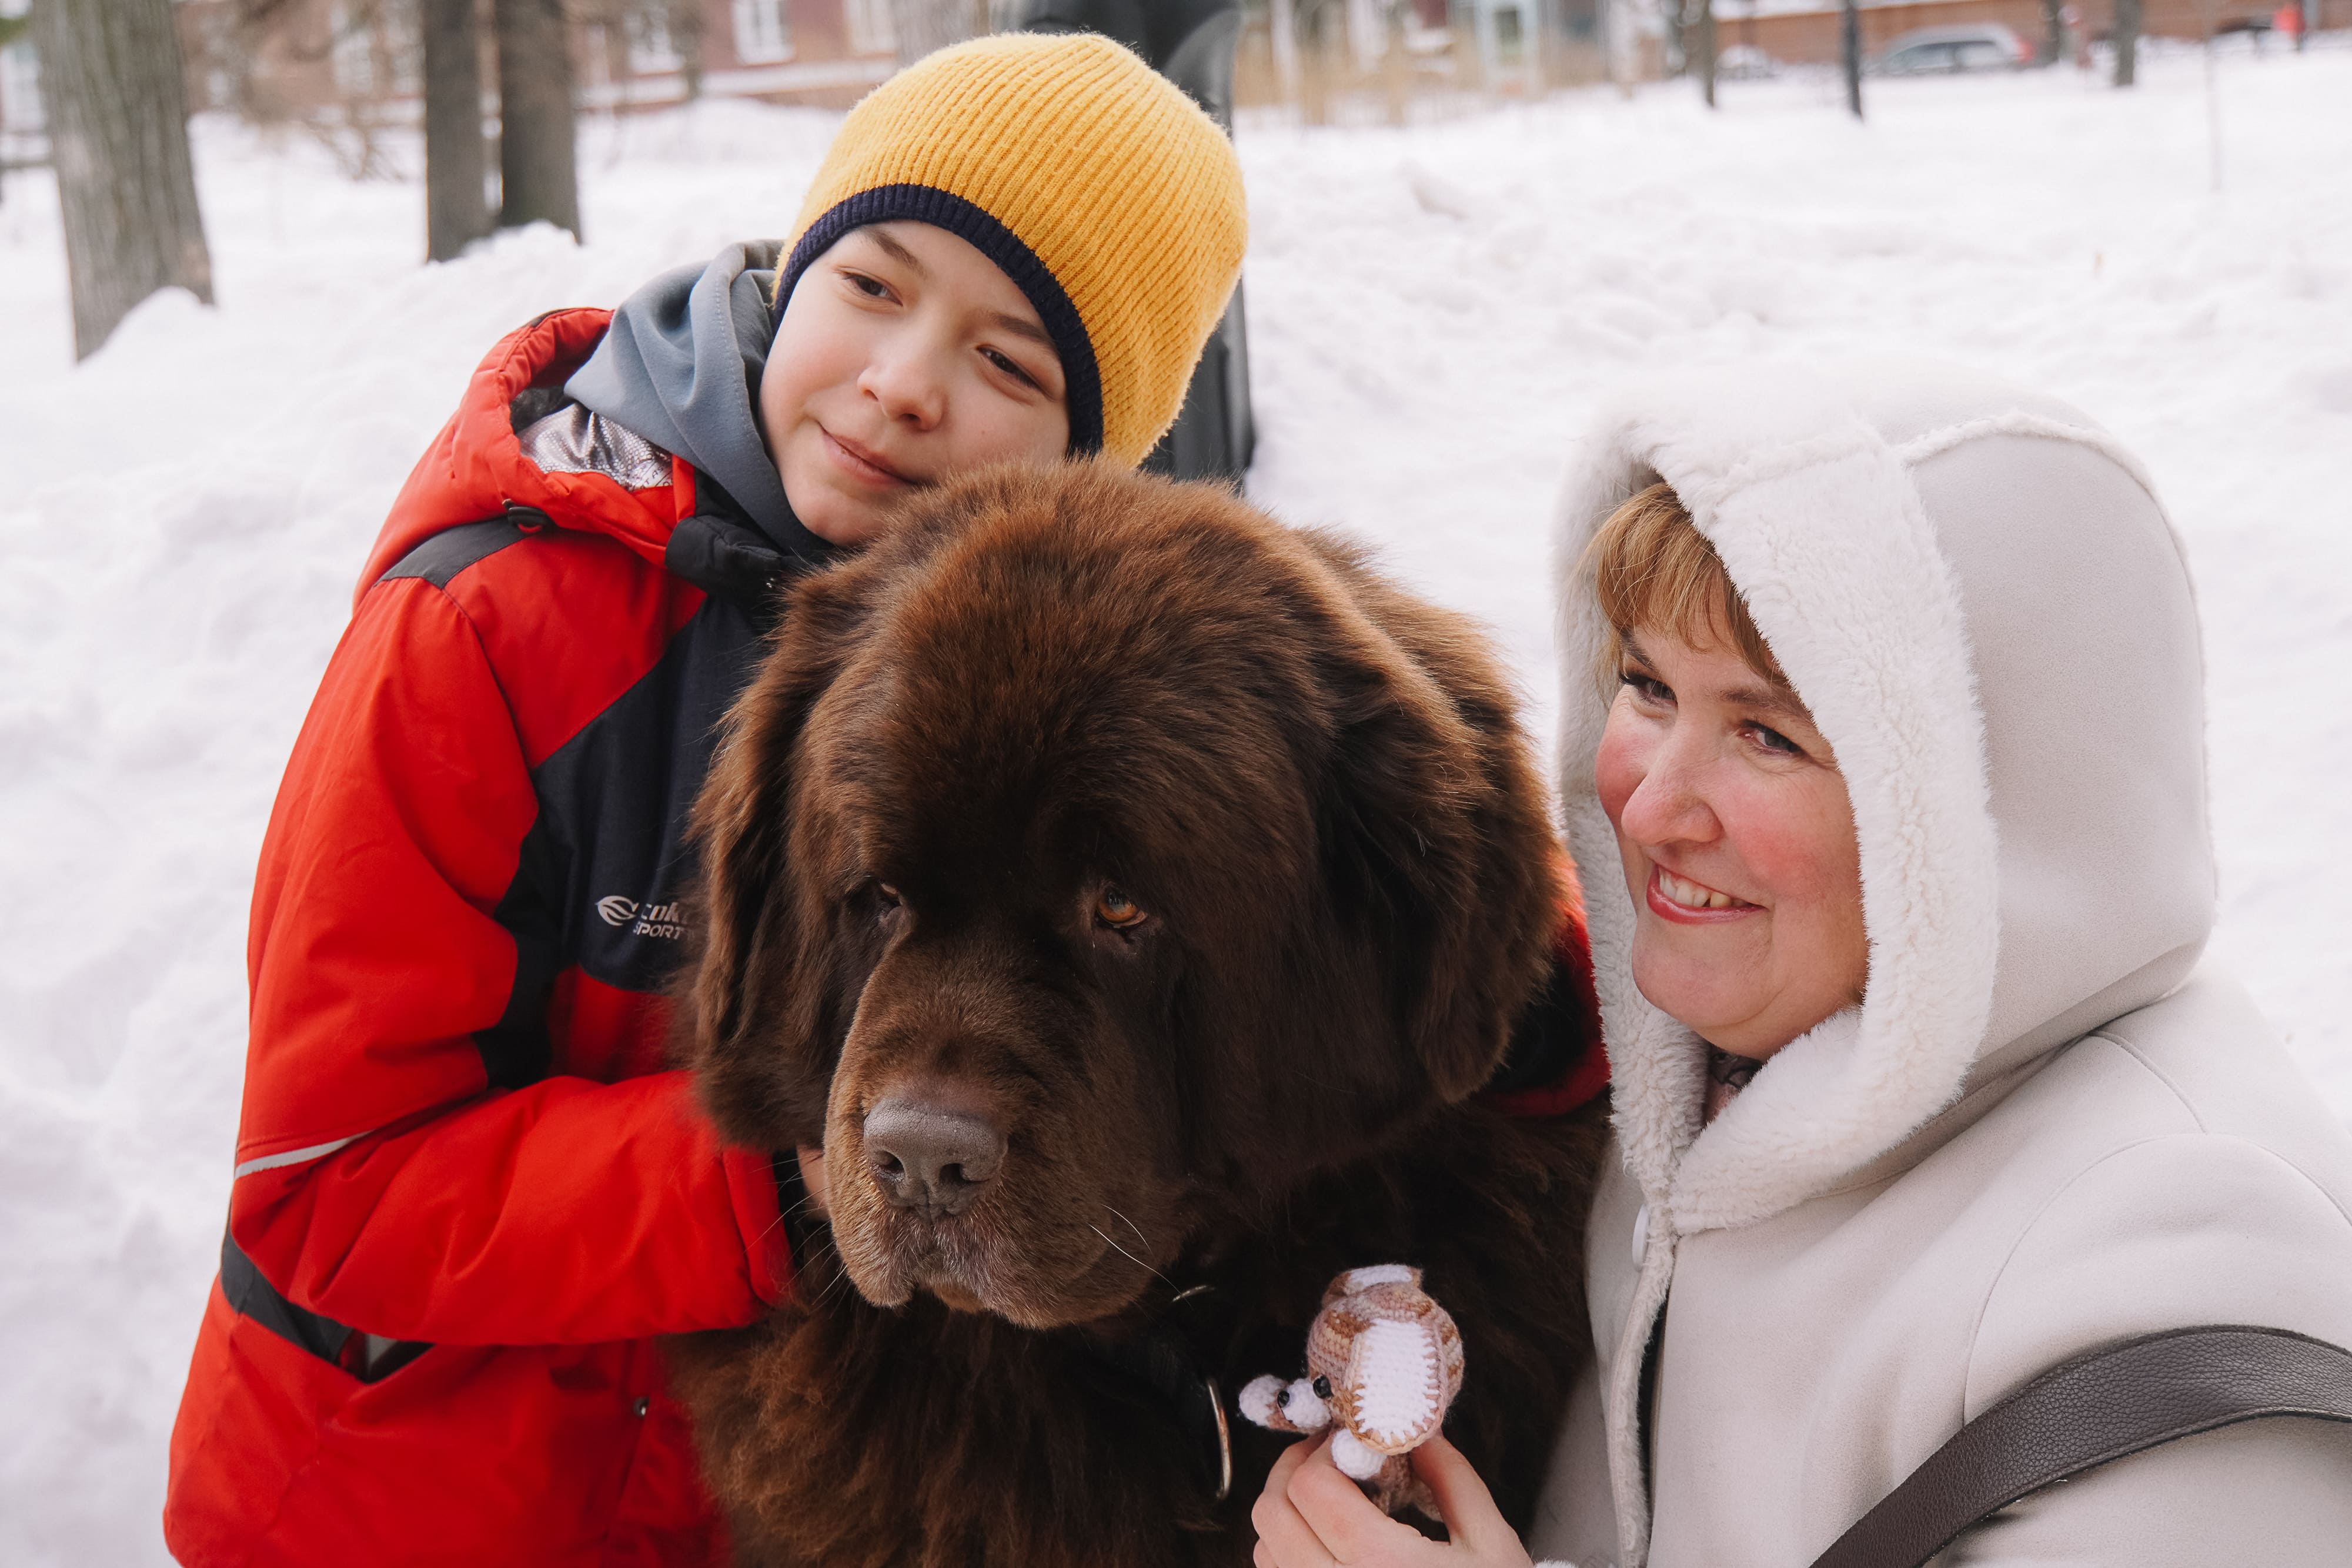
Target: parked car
{"points": [[1944, 51], [1745, 62]]}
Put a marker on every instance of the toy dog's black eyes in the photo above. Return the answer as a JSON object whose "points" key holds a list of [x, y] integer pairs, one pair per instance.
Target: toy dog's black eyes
{"points": [[1282, 1400], [1322, 1388]]}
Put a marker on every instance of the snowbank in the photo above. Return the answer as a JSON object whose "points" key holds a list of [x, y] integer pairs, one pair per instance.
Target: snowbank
{"points": [[1433, 313]]}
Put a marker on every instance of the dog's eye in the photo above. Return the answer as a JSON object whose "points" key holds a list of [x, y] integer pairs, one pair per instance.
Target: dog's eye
{"points": [[885, 895], [1118, 910], [1322, 1388]]}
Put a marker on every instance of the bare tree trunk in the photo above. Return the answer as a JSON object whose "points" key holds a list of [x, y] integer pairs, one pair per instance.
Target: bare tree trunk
{"points": [[685, 22], [1311, 21], [1282, 24], [118, 131], [1851, 34], [11, 28], [2126, 42], [1396, 83], [538, 171], [2053, 27], [1705, 40], [926, 25], [456, 211], [1624, 46]]}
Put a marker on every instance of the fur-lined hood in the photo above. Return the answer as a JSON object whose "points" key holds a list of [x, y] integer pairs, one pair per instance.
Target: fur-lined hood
{"points": [[1976, 592]]}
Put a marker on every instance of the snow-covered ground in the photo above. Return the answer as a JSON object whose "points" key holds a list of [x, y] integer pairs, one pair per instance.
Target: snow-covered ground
{"points": [[1434, 312]]}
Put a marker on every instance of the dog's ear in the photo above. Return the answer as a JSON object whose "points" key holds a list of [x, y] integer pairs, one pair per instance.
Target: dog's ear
{"points": [[753, 949], [1435, 832]]}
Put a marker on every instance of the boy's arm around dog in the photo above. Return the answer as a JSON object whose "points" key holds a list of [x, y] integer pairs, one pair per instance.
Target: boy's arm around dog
{"points": [[396, 1173]]}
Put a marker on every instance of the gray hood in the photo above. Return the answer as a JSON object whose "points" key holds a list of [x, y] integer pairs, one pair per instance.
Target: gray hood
{"points": [[680, 366], [1978, 597]]}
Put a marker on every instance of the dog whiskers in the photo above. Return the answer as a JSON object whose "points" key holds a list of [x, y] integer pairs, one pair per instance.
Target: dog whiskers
{"points": [[1141, 1240], [840, 1276], [835, 1287], [1130, 1256], [784, 1214]]}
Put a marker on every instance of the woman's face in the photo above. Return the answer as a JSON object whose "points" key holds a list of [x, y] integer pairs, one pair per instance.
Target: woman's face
{"points": [[1737, 842]]}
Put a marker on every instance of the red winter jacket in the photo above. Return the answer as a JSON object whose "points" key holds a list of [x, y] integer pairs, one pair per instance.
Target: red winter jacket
{"points": [[467, 1190], [458, 1136]]}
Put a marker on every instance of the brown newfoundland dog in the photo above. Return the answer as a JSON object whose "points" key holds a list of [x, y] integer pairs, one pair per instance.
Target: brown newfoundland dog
{"points": [[1133, 896]]}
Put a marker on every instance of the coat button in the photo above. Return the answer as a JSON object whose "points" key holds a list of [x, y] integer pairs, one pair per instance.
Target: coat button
{"points": [[643, 1406]]}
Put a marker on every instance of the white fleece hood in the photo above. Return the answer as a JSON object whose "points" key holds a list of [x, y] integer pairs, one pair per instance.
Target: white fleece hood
{"points": [[1974, 591]]}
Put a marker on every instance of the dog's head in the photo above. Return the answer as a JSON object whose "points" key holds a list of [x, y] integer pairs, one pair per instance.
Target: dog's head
{"points": [[1094, 853]]}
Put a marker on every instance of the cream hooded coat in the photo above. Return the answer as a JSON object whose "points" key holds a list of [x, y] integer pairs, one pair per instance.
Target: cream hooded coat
{"points": [[2047, 1126]]}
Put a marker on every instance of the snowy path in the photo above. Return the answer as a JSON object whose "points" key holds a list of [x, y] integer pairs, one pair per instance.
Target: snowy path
{"points": [[1433, 315]]}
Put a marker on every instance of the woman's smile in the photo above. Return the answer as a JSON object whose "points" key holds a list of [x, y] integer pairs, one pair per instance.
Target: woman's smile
{"points": [[1688, 903]]}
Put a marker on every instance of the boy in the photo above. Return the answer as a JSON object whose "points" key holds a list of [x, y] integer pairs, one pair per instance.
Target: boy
{"points": [[467, 1193]]}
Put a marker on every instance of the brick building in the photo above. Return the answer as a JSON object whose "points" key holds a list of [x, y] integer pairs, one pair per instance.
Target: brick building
{"points": [[303, 58]]}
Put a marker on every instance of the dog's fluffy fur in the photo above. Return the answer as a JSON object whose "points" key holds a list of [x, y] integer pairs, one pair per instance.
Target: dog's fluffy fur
{"points": [[1043, 686]]}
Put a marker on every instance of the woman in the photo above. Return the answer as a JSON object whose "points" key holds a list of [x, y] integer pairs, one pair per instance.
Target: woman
{"points": [[1921, 1088]]}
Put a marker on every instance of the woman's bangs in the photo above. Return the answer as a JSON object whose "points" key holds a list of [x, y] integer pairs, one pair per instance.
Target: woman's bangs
{"points": [[1652, 568]]}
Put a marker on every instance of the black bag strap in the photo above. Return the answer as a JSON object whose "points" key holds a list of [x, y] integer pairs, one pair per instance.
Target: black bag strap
{"points": [[2105, 1403]]}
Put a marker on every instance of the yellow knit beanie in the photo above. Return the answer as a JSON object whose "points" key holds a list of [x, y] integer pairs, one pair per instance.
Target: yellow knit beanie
{"points": [[1096, 187]]}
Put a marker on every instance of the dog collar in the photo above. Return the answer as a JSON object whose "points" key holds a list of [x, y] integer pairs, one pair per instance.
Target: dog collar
{"points": [[1163, 1359]]}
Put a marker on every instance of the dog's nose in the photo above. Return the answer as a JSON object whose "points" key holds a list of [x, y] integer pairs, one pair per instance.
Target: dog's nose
{"points": [[929, 1158]]}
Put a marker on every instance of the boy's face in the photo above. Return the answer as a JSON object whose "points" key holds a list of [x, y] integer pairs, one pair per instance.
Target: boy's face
{"points": [[904, 357]]}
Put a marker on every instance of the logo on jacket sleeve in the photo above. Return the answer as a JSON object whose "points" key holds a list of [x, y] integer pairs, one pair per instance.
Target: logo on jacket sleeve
{"points": [[665, 920]]}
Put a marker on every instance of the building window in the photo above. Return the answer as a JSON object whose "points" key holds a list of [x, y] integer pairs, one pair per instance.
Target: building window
{"points": [[762, 32], [596, 55], [20, 90], [352, 55], [651, 54], [1510, 33], [870, 28]]}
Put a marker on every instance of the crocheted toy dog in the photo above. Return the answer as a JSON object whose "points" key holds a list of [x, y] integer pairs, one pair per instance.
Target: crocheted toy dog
{"points": [[1384, 1361]]}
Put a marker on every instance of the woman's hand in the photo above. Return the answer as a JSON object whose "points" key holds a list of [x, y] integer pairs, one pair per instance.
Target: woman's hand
{"points": [[1312, 1516]]}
